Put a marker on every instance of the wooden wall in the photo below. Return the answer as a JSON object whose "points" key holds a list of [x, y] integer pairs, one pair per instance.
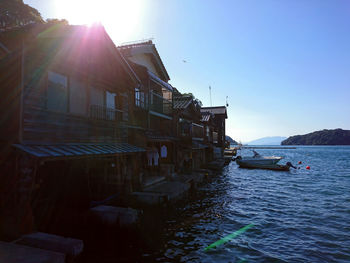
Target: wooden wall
{"points": [[41, 125]]}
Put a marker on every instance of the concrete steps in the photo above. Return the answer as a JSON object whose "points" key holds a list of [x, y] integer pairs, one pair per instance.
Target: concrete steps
{"points": [[161, 193], [14, 253], [68, 246], [115, 216]]}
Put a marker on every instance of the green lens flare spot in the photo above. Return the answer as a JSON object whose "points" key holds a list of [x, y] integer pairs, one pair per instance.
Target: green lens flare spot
{"points": [[229, 237]]}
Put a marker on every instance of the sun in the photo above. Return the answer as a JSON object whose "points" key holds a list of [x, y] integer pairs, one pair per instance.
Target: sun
{"points": [[121, 18]]}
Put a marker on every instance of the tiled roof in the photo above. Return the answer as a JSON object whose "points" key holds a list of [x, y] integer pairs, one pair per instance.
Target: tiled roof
{"points": [[206, 116], [78, 149], [215, 110], [182, 102]]}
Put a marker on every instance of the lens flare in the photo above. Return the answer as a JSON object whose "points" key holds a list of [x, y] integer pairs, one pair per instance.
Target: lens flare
{"points": [[229, 237]]}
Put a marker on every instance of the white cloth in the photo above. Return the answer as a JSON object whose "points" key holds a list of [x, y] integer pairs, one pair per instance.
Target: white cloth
{"points": [[155, 158], [163, 151], [149, 158]]}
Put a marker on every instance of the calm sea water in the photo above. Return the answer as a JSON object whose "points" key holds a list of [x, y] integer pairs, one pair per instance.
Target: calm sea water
{"points": [[298, 216]]}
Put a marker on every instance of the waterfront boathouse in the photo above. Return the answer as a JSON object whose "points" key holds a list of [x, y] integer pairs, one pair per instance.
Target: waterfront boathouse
{"points": [[84, 121]]}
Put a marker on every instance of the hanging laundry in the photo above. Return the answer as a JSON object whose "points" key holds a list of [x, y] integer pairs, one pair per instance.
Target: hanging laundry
{"points": [[149, 157], [163, 151], [156, 157]]}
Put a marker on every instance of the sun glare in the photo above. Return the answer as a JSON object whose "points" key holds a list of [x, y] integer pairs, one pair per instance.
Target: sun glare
{"points": [[120, 17]]}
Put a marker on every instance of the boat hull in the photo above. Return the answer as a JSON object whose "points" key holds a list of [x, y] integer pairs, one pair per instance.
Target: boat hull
{"points": [[259, 161], [250, 165]]}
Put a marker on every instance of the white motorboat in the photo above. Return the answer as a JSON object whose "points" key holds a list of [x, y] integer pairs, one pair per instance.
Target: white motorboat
{"points": [[257, 160]]}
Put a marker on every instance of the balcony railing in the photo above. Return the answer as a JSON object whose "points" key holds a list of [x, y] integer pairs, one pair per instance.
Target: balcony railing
{"points": [[161, 105], [215, 137], [98, 112], [185, 128], [197, 131]]}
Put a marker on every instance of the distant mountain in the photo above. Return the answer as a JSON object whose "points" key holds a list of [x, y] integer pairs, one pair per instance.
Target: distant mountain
{"points": [[232, 141], [324, 137], [276, 140]]}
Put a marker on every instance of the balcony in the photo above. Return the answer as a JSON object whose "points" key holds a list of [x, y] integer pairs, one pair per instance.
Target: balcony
{"points": [[215, 137], [197, 132], [98, 112], [161, 107]]}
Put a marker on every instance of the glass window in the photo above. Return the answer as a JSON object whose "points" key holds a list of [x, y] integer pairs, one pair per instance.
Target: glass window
{"points": [[111, 105], [137, 97], [77, 97], [96, 96], [110, 100], [57, 92]]}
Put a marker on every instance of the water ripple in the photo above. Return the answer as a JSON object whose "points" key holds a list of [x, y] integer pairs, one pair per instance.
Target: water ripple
{"points": [[298, 216]]}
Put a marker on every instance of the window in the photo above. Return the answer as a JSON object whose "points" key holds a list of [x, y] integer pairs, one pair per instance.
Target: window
{"points": [[110, 100], [137, 97], [77, 97], [96, 96], [140, 98], [111, 105], [57, 92]]}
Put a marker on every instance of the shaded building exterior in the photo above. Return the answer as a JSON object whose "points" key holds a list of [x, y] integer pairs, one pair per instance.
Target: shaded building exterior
{"points": [[68, 97], [154, 106], [83, 120], [218, 115], [190, 131]]}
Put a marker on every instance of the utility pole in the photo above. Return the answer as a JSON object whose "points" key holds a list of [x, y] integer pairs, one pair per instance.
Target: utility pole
{"points": [[211, 104]]}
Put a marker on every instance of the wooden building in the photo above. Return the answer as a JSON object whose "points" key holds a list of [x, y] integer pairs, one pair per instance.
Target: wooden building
{"points": [[67, 102], [217, 115], [192, 150], [153, 108]]}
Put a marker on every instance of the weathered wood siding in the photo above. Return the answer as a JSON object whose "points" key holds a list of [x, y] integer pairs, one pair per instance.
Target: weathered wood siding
{"points": [[10, 94], [75, 124], [40, 125]]}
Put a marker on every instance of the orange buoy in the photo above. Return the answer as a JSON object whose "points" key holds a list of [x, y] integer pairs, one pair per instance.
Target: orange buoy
{"points": [[307, 167], [299, 162]]}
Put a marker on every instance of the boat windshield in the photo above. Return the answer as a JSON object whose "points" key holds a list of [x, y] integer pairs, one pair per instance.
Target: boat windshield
{"points": [[256, 154]]}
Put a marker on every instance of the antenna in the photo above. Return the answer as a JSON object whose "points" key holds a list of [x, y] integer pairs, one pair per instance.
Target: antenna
{"points": [[211, 104], [226, 101]]}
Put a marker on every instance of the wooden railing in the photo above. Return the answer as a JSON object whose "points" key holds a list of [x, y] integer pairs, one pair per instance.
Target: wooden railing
{"points": [[161, 105], [197, 131], [40, 125], [98, 112]]}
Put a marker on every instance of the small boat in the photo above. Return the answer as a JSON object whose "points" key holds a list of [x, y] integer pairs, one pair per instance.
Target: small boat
{"points": [[262, 162], [257, 159], [275, 167]]}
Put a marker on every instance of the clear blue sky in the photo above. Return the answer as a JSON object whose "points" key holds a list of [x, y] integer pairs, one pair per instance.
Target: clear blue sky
{"points": [[285, 65]]}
